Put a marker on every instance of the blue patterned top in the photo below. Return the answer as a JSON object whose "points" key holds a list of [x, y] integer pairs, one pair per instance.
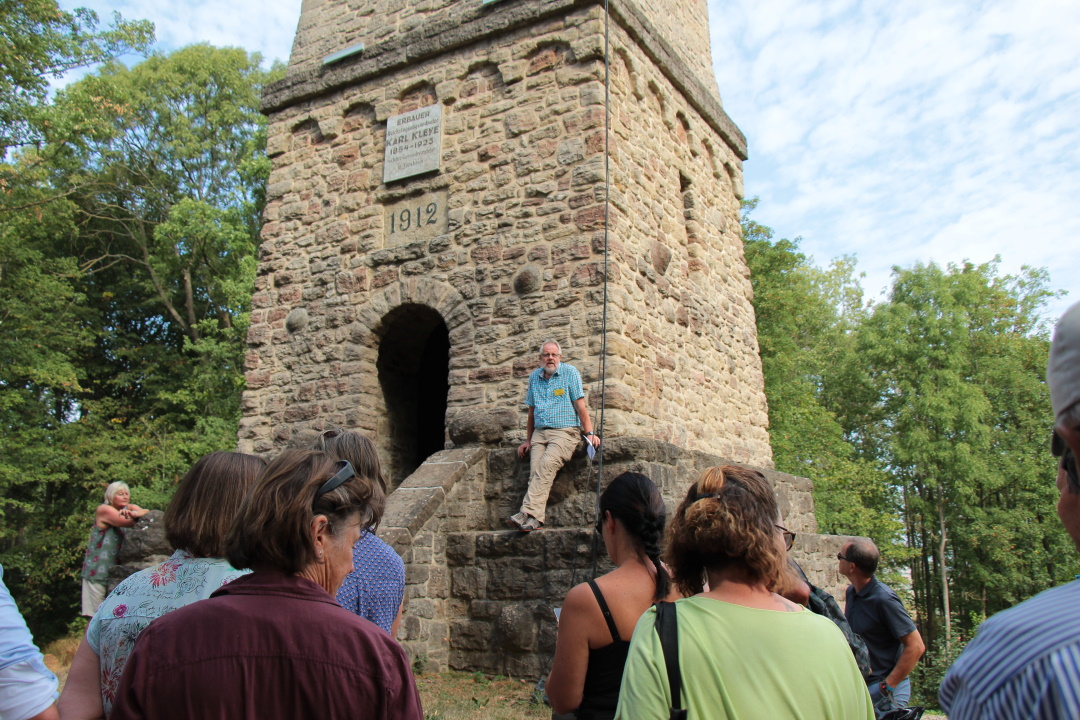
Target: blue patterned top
{"points": [[142, 598], [375, 587], [1023, 663], [552, 399]]}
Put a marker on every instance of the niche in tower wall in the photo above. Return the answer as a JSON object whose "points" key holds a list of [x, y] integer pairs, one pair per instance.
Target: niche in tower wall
{"points": [[413, 367]]}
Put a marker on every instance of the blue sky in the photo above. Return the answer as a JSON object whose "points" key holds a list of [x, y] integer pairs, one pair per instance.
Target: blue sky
{"points": [[936, 130]]}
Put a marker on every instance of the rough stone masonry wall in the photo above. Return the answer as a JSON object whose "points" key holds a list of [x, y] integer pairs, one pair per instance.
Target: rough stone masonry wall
{"points": [[520, 259], [391, 22], [682, 315]]}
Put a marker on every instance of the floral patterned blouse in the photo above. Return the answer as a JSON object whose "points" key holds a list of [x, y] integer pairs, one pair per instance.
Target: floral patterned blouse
{"points": [[144, 597], [101, 553]]}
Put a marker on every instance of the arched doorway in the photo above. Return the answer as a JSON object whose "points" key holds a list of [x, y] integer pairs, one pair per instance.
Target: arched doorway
{"points": [[414, 368]]}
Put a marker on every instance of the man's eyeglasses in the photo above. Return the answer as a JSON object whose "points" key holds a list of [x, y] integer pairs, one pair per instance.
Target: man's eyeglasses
{"points": [[840, 556], [789, 537], [344, 473], [1068, 460], [550, 355]]}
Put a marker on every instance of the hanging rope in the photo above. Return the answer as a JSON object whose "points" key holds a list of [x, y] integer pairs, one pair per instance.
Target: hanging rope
{"points": [[603, 325]]}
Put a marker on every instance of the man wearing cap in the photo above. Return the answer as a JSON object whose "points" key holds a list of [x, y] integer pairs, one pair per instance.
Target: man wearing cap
{"points": [[557, 419], [1025, 662]]}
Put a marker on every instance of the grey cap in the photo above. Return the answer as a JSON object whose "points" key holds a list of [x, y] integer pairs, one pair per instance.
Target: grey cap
{"points": [[1063, 368]]}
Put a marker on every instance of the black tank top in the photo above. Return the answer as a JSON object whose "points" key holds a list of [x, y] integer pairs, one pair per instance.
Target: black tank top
{"points": [[604, 675]]}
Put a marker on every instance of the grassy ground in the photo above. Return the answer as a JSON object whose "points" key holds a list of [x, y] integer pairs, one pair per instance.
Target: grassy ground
{"points": [[445, 696], [466, 696]]}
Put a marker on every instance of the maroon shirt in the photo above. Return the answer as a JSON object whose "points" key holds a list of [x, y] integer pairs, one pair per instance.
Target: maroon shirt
{"points": [[266, 646]]}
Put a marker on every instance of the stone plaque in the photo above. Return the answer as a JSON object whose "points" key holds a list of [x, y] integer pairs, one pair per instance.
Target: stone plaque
{"points": [[413, 143], [417, 218]]}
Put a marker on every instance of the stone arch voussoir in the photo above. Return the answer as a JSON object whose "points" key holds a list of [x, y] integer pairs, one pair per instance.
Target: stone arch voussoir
{"points": [[437, 295]]}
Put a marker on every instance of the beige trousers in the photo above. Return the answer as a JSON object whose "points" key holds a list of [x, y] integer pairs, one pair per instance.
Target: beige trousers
{"points": [[549, 451], [93, 594]]}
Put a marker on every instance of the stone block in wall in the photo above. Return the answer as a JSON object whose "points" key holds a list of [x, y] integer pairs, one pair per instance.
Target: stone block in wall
{"points": [[484, 426], [517, 628]]}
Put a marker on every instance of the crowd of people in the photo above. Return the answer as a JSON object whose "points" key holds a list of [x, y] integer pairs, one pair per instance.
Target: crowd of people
{"points": [[280, 601]]}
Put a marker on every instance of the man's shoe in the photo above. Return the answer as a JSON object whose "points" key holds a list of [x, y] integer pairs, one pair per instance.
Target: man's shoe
{"points": [[524, 522]]}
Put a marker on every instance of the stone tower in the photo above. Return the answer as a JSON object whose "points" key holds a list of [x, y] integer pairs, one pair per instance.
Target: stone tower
{"points": [[435, 211]]}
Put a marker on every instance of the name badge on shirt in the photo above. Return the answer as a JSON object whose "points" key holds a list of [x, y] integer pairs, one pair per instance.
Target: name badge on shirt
{"points": [[559, 391]]}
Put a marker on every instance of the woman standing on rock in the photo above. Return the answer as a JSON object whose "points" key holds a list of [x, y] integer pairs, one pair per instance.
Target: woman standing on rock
{"points": [[116, 513], [199, 516]]}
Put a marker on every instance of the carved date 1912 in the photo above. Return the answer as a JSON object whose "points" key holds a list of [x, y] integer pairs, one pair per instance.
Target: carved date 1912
{"points": [[408, 218]]}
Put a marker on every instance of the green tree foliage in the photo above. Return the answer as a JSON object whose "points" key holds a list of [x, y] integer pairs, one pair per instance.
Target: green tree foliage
{"points": [[957, 357], [924, 422], [805, 317], [144, 212], [40, 42]]}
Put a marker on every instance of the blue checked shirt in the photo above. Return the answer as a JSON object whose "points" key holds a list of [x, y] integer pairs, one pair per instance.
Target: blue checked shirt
{"points": [[552, 399], [1023, 663]]}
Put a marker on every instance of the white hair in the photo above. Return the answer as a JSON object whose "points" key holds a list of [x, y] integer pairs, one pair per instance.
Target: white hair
{"points": [[113, 488], [550, 342]]}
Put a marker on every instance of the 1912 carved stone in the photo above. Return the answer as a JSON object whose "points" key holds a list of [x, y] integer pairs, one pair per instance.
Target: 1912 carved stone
{"points": [[413, 310]]}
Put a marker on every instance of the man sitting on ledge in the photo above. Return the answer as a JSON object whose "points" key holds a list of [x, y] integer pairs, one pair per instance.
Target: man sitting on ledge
{"points": [[556, 406]]}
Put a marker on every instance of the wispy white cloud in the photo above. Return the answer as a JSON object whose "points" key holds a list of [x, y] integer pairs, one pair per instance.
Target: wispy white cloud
{"points": [[936, 130], [265, 26], [930, 130]]}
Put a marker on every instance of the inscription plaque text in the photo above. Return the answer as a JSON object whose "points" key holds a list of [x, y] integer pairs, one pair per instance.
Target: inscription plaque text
{"points": [[413, 143]]}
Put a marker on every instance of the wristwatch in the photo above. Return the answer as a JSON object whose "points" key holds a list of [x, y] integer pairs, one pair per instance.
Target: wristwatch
{"points": [[589, 433]]}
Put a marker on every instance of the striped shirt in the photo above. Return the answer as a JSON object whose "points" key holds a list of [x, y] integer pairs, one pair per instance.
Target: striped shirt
{"points": [[552, 399], [1023, 663]]}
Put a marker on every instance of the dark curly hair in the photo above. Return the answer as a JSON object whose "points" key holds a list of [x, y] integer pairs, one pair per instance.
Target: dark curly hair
{"points": [[727, 519], [634, 500]]}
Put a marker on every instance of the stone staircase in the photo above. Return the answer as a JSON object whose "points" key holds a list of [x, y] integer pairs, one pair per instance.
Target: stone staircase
{"points": [[480, 596]]}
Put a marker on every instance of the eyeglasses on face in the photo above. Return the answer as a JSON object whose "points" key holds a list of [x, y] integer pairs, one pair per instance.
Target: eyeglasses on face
{"points": [[550, 355], [840, 556], [1068, 460], [343, 474], [789, 537]]}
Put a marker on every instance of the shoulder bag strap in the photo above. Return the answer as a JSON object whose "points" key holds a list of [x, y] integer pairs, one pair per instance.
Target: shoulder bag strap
{"points": [[667, 627]]}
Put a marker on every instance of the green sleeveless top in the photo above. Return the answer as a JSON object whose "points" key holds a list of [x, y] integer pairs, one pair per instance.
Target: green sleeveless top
{"points": [[101, 553]]}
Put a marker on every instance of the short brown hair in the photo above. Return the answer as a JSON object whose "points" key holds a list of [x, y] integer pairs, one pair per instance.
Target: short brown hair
{"points": [[273, 528], [205, 504], [727, 519], [863, 554], [360, 451]]}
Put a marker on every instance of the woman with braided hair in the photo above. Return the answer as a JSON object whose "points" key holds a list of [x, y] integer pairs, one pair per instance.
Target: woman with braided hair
{"points": [[743, 650], [599, 616]]}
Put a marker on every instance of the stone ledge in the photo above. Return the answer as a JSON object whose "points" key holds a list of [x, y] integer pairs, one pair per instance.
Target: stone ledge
{"points": [[439, 36], [419, 497]]}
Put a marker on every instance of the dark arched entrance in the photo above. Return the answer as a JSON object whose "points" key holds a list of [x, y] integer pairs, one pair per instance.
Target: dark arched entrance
{"points": [[414, 368]]}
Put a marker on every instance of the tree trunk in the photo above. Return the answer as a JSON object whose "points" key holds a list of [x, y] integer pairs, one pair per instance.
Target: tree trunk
{"points": [[944, 574]]}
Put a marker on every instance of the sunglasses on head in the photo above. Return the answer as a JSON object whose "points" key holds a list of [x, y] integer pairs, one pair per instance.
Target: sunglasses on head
{"points": [[344, 473]]}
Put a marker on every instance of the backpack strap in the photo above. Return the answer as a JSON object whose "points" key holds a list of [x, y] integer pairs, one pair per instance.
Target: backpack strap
{"points": [[612, 627], [667, 627]]}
